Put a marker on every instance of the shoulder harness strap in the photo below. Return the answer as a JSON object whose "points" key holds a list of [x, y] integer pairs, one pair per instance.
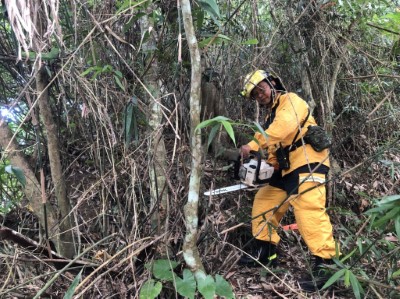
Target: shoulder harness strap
{"points": [[299, 142]]}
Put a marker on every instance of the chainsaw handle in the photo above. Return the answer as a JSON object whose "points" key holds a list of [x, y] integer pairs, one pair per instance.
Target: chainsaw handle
{"points": [[257, 155]]}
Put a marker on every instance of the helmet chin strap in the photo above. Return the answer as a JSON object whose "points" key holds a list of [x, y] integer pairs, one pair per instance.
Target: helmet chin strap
{"points": [[273, 94]]}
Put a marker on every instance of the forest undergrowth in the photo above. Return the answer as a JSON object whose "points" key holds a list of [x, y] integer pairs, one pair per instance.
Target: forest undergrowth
{"points": [[104, 110]]}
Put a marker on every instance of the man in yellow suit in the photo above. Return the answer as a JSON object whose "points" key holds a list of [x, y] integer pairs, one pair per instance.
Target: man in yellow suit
{"points": [[299, 179]]}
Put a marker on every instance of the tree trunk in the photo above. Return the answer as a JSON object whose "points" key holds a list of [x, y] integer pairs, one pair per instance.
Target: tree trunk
{"points": [[65, 244], [158, 186], [190, 250], [32, 187]]}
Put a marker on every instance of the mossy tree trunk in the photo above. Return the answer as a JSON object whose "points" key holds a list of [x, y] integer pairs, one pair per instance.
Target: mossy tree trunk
{"points": [[190, 250]]}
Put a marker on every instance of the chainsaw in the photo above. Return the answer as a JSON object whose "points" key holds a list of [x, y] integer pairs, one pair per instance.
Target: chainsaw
{"points": [[253, 174]]}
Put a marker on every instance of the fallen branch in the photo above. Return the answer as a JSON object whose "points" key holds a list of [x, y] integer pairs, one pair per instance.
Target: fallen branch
{"points": [[58, 260]]}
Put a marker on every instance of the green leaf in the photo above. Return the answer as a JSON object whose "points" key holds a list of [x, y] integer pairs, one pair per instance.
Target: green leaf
{"points": [[347, 278], [186, 286], [118, 81], [397, 226], [19, 174], [53, 54], [204, 124], [396, 274], [209, 122], [90, 69], [389, 199], [129, 117], [228, 127], [131, 120], [389, 216], [349, 255], [214, 40], [118, 74], [261, 130], [213, 132], [107, 68], [381, 208], [162, 269], [355, 284], [334, 278], [72, 287], [223, 288], [126, 4], [150, 289], [211, 7], [207, 287], [200, 19], [252, 41]]}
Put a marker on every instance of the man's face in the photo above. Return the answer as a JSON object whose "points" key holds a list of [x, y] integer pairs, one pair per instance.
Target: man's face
{"points": [[262, 94]]}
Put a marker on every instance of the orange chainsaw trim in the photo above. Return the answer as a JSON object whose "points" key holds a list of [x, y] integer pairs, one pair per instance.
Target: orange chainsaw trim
{"points": [[292, 226]]}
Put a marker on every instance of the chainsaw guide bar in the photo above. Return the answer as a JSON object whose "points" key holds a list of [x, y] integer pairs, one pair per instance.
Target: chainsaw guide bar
{"points": [[227, 189], [253, 175]]}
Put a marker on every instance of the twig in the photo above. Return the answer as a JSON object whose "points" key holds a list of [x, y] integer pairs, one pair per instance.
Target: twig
{"points": [[279, 294], [371, 76], [50, 282], [381, 28]]}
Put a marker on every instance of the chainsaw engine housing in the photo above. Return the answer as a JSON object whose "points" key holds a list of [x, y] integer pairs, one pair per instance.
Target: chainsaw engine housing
{"points": [[248, 172]]}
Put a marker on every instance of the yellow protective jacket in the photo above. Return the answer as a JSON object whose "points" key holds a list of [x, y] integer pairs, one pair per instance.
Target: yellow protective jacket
{"points": [[290, 112]]}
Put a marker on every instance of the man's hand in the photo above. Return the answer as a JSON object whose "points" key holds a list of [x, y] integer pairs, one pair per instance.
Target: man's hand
{"points": [[245, 151]]}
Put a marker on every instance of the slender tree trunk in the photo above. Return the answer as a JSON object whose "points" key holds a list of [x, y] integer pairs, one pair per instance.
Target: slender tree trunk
{"points": [[65, 244], [32, 187], [190, 250], [157, 147]]}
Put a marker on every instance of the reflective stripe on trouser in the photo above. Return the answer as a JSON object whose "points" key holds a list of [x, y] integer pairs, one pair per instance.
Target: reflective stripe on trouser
{"points": [[309, 209]]}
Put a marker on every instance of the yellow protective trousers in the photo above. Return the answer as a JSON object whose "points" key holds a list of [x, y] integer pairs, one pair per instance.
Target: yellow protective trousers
{"points": [[309, 210]]}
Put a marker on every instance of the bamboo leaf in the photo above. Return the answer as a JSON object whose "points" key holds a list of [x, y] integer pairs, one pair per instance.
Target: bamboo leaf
{"points": [[342, 260], [390, 215], [214, 40], [397, 226], [390, 198], [355, 284], [229, 129], [87, 71], [347, 278], [211, 7], [128, 123], [210, 122], [334, 278], [213, 132], [118, 81], [72, 287], [252, 41], [118, 74], [261, 130], [381, 208]]}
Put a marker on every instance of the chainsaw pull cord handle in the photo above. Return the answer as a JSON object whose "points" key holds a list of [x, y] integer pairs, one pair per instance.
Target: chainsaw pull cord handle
{"points": [[258, 156]]}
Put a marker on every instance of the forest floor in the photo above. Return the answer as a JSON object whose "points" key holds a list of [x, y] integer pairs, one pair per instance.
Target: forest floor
{"points": [[23, 273]]}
